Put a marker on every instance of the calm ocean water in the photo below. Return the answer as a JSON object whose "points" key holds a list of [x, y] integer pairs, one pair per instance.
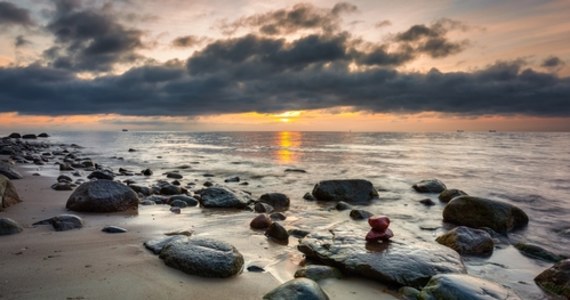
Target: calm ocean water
{"points": [[530, 170]]}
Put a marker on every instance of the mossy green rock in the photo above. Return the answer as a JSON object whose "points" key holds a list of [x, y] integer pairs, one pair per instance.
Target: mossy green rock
{"points": [[297, 289], [556, 279], [479, 212], [464, 287]]}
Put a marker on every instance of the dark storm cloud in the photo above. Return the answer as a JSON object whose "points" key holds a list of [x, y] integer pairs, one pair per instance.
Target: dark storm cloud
{"points": [[553, 62], [11, 14], [188, 41], [301, 16], [432, 39], [89, 39]]}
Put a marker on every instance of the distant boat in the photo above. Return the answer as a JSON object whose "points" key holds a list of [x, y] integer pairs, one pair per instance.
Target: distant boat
{"points": [[492, 130], [125, 130]]}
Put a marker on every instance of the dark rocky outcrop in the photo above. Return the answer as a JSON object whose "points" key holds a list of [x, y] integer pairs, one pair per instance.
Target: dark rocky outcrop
{"points": [[62, 222], [429, 186], [29, 136], [277, 200], [203, 257], [468, 241], [464, 287], [102, 196], [8, 194], [479, 212], [400, 262], [15, 135], [297, 289], [448, 194], [9, 226], [219, 197], [349, 190], [556, 279]]}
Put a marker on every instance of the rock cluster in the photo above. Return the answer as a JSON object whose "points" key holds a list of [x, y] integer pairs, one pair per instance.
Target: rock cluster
{"points": [[379, 230]]}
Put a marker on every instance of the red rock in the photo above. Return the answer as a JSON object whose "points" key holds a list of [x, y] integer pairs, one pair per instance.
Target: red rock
{"points": [[262, 221], [374, 235], [379, 223]]}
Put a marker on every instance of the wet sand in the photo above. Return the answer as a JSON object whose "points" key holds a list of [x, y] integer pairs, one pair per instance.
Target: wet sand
{"points": [[40, 263]]}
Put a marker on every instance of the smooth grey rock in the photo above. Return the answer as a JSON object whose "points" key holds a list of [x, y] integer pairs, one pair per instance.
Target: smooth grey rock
{"points": [[101, 174], [102, 196], [174, 175], [468, 241], [398, 262], [219, 197], [62, 186], [203, 257], [156, 246], [8, 194], [277, 233], [348, 190], [62, 222], [297, 289], [113, 229], [190, 201], [359, 214], [144, 190], [318, 272], [277, 200], [63, 178], [9, 226], [448, 194], [170, 190], [479, 212], [8, 171], [556, 279], [429, 186], [178, 203], [465, 287], [157, 199]]}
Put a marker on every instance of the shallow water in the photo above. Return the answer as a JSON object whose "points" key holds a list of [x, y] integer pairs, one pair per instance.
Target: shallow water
{"points": [[530, 170]]}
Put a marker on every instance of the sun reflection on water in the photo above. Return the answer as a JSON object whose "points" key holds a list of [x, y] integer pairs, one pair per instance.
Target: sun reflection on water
{"points": [[287, 141]]}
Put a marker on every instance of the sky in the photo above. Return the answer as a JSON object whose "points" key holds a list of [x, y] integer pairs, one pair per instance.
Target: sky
{"points": [[214, 65]]}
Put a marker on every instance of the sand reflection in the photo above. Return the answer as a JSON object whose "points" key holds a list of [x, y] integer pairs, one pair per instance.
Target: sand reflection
{"points": [[287, 141]]}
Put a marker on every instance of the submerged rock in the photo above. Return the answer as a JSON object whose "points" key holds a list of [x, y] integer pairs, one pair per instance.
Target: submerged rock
{"points": [[297, 289], [468, 241], [9, 226], [448, 194], [277, 200], [537, 252], [8, 194], [318, 272], [62, 222], [556, 279], [479, 212], [102, 196], [203, 257], [429, 186], [348, 190], [464, 287], [400, 262], [8, 171], [218, 197]]}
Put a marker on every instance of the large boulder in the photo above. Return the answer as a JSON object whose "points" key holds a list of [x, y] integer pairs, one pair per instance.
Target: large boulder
{"points": [[102, 196], [400, 262], [464, 287], [219, 197], [203, 257], [297, 289], [8, 171], [277, 200], [556, 279], [9, 226], [348, 190], [429, 186], [468, 241], [479, 212], [8, 194]]}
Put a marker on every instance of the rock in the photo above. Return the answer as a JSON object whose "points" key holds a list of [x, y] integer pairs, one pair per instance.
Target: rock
{"points": [[62, 186], [427, 202], [219, 197], [537, 252], [203, 257], [147, 202], [295, 171], [178, 203], [468, 241], [186, 232], [262, 207], [175, 182], [298, 233], [102, 174], [139, 189], [15, 135], [157, 199], [379, 223], [175, 210], [113, 229], [232, 179], [277, 233], [409, 293], [9, 172], [359, 214], [478, 212], [190, 201], [62, 222], [341, 205], [448, 194], [63, 178], [132, 150], [156, 246], [147, 172], [309, 197], [429, 186], [277, 216], [8, 194], [43, 135], [297, 289], [102, 196], [170, 189], [208, 175], [350, 190], [262, 221], [556, 279], [375, 235], [318, 272], [183, 167], [174, 175], [256, 269], [66, 167], [29, 137], [465, 287], [277, 200], [208, 184], [400, 262], [9, 226]]}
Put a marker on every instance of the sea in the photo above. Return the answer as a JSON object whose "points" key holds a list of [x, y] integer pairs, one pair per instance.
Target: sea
{"points": [[528, 169]]}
